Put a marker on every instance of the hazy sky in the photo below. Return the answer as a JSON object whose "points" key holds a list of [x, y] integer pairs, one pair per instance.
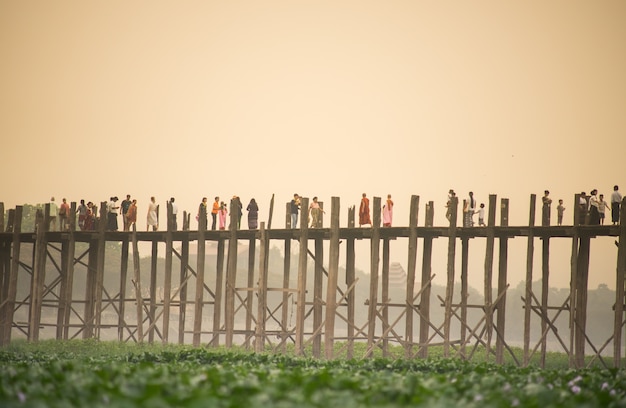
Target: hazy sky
{"points": [[326, 98]]}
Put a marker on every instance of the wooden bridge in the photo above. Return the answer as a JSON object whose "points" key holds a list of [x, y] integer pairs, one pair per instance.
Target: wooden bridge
{"points": [[240, 315]]}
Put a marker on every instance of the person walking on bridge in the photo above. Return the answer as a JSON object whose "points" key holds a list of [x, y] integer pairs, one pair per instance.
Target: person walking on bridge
{"points": [[153, 217], [364, 211], [214, 211], [616, 200], [388, 212]]}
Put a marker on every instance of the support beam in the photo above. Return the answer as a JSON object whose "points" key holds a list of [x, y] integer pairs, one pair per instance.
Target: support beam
{"points": [[619, 292], [259, 343], [302, 272], [454, 203], [199, 297], [410, 275], [530, 248], [502, 282], [333, 277], [374, 265]]}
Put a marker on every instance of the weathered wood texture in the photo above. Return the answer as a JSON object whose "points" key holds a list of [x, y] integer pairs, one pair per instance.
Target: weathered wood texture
{"points": [[321, 308]]}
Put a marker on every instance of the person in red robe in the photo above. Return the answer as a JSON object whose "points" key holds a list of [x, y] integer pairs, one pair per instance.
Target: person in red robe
{"points": [[364, 211]]}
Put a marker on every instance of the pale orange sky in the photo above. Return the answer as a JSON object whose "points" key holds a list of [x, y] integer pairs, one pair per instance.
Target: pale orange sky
{"points": [[326, 98]]}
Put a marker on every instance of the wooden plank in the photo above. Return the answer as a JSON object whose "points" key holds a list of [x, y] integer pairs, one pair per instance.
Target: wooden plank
{"points": [[530, 248], [374, 265], [302, 272], [333, 277], [410, 278]]}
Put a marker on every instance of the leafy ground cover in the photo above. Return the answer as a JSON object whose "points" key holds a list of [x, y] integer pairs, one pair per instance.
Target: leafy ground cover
{"points": [[100, 374]]}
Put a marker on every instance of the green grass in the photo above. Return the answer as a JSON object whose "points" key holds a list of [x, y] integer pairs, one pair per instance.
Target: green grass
{"points": [[98, 374]]}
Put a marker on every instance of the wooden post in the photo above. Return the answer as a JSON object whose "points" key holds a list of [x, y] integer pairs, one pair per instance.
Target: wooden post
{"points": [[545, 288], [167, 281], [333, 277], [374, 264], [137, 284], [464, 291], [424, 304], [5, 271], [121, 321], [68, 249], [250, 293], [385, 296], [90, 289], [502, 282], [529, 278], [491, 222], [99, 288], [199, 297], [302, 266], [317, 294], [581, 299], [9, 308], [286, 271], [619, 289], [269, 220], [219, 288], [578, 219], [350, 277], [182, 295], [454, 202], [153, 290], [39, 275], [425, 297], [410, 278], [231, 272], [259, 343]]}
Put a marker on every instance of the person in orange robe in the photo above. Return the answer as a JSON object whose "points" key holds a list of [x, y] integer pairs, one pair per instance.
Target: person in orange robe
{"points": [[131, 215], [364, 211]]}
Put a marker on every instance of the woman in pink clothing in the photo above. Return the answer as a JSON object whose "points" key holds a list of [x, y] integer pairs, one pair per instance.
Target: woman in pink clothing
{"points": [[388, 212], [222, 215]]}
